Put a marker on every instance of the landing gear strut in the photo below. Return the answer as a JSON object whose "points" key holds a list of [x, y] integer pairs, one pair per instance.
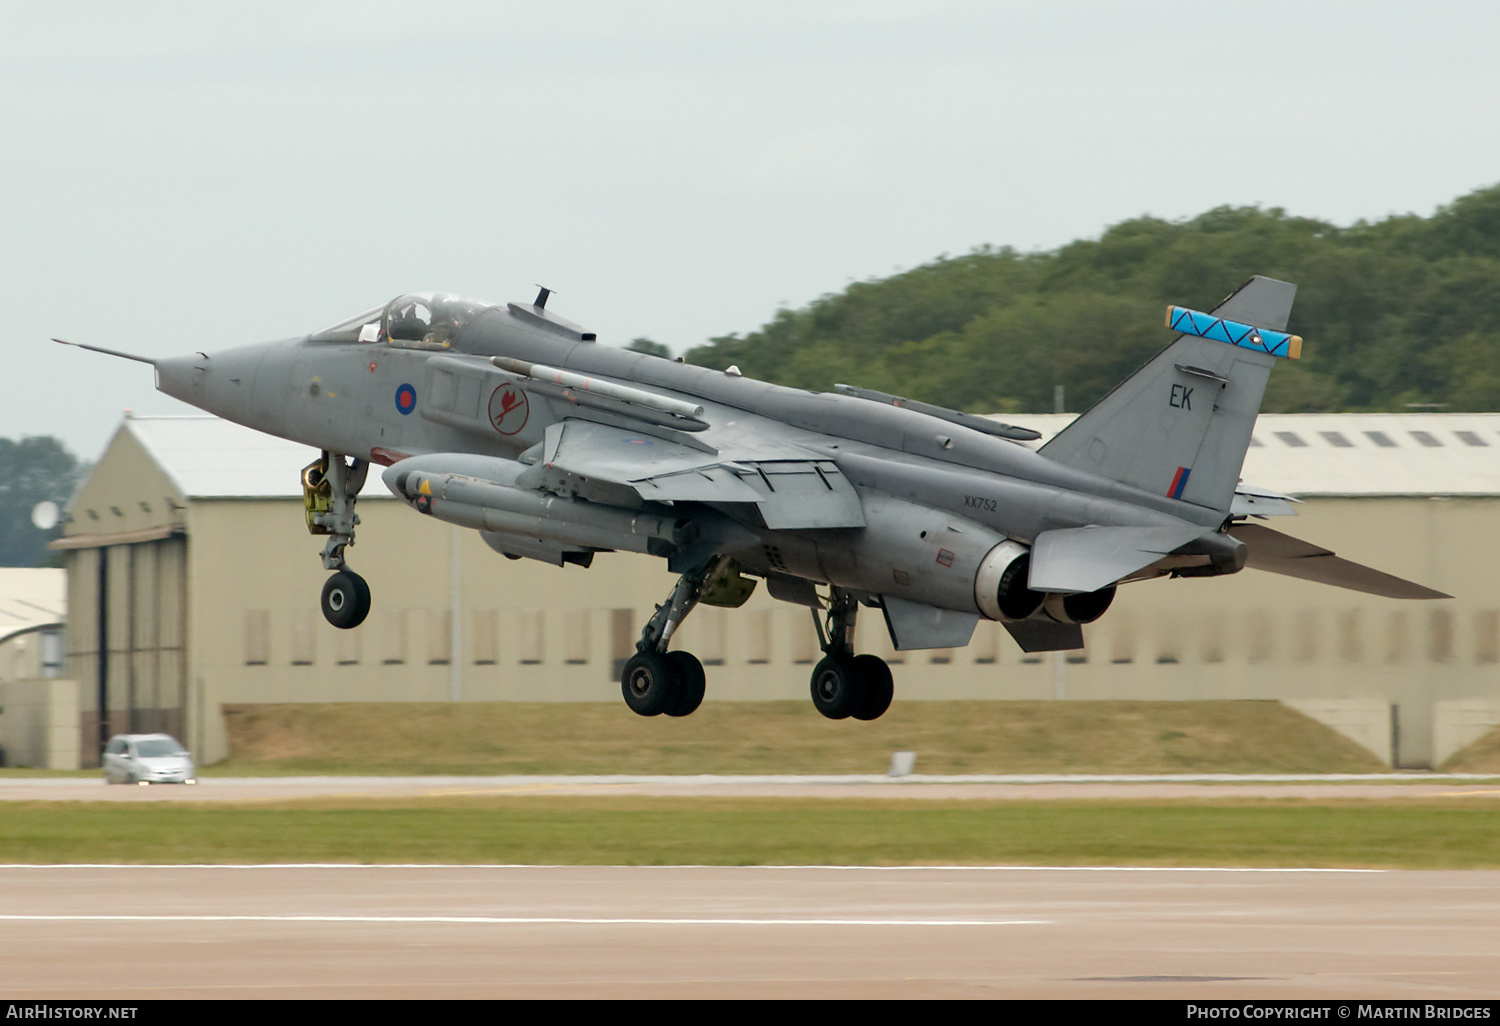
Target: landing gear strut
{"points": [[656, 681], [845, 684], [329, 488]]}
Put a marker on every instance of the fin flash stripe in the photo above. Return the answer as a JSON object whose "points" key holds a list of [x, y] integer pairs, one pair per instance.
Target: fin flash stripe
{"points": [[1179, 482], [1246, 336]]}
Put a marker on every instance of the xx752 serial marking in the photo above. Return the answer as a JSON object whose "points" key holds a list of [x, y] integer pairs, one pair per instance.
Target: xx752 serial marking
{"points": [[978, 502]]}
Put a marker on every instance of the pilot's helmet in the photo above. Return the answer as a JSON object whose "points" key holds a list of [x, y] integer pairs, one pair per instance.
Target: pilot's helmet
{"points": [[409, 318]]}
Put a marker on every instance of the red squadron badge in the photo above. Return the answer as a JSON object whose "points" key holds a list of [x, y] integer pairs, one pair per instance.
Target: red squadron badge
{"points": [[509, 409]]}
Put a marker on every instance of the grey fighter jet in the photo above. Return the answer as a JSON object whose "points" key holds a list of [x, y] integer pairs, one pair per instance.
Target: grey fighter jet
{"points": [[516, 422]]}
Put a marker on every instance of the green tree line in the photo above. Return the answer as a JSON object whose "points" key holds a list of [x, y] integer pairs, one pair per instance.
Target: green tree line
{"points": [[32, 470], [1395, 312]]}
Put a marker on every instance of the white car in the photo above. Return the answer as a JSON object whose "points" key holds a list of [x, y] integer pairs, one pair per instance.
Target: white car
{"points": [[147, 759]]}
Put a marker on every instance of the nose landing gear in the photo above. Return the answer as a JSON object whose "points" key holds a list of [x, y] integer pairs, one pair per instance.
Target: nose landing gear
{"points": [[329, 488]]}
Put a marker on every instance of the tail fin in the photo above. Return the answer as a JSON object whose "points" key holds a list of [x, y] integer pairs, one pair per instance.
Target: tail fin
{"points": [[1180, 425]]}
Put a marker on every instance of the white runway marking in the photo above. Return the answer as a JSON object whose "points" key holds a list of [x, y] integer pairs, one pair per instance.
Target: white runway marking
{"points": [[523, 920]]}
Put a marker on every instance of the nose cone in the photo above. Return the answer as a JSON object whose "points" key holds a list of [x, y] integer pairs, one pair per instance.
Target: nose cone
{"points": [[221, 383]]}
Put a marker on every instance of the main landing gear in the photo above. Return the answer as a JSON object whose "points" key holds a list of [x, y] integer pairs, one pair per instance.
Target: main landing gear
{"points": [[329, 488], [845, 684], [656, 681]]}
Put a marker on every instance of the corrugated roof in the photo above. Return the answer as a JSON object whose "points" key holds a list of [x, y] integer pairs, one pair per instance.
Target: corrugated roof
{"points": [[1307, 454], [1301, 454], [211, 458], [31, 598]]}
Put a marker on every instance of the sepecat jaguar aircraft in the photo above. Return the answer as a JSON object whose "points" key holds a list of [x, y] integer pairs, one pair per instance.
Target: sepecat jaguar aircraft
{"points": [[515, 422]]}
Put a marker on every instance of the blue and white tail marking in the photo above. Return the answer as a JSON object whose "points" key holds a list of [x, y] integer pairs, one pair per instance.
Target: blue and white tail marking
{"points": [[1236, 333]]}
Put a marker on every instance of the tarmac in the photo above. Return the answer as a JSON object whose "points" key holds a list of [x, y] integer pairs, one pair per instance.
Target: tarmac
{"points": [[139, 933]]}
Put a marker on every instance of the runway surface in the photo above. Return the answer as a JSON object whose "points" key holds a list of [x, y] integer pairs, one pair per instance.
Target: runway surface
{"points": [[144, 932], [1212, 787]]}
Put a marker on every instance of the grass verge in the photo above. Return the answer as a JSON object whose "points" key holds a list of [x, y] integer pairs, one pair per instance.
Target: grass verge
{"points": [[784, 737], [711, 831]]}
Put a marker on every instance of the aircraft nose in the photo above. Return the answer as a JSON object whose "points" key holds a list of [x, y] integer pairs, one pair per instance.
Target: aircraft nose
{"points": [[181, 377], [221, 383]]}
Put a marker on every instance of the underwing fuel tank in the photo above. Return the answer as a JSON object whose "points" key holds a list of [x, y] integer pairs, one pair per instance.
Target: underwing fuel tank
{"points": [[446, 486]]}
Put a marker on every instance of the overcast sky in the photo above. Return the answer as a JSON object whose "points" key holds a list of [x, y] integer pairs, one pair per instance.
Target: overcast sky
{"points": [[183, 176]]}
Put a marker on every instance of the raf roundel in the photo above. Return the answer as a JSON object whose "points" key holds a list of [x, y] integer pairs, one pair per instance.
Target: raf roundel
{"points": [[406, 399]]}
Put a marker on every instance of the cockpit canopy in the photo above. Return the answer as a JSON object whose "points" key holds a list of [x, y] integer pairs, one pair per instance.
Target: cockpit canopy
{"points": [[417, 320]]}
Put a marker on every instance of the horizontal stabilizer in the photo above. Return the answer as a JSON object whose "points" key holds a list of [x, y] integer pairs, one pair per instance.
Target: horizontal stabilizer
{"points": [[1250, 501], [1079, 559], [1045, 635], [1279, 553]]}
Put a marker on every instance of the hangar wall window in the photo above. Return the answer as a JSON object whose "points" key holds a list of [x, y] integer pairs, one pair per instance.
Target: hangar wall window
{"points": [[1292, 439], [758, 636], [986, 644], [1427, 438], [621, 639], [1309, 628], [1336, 439], [1260, 638], [1471, 438], [486, 637], [709, 639], [257, 637], [1211, 631], [52, 654], [1121, 637], [439, 637], [1440, 635], [1349, 636], [348, 646], [532, 636], [1381, 439], [1396, 637], [576, 637], [304, 642], [1487, 636], [804, 638], [394, 637], [940, 656]]}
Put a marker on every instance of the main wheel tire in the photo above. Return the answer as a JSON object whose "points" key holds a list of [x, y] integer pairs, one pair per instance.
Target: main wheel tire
{"points": [[879, 687], [838, 688], [650, 683], [346, 599], [691, 683]]}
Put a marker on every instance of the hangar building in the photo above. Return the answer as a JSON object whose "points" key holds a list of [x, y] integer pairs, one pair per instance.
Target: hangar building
{"points": [[192, 583]]}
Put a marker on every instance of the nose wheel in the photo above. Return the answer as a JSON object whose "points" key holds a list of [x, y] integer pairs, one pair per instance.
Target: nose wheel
{"points": [[346, 599]]}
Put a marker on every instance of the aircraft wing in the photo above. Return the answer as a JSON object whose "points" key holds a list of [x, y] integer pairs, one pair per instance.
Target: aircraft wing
{"points": [[1279, 553], [791, 488]]}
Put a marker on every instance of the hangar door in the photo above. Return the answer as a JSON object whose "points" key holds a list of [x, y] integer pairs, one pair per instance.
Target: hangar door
{"points": [[127, 621]]}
